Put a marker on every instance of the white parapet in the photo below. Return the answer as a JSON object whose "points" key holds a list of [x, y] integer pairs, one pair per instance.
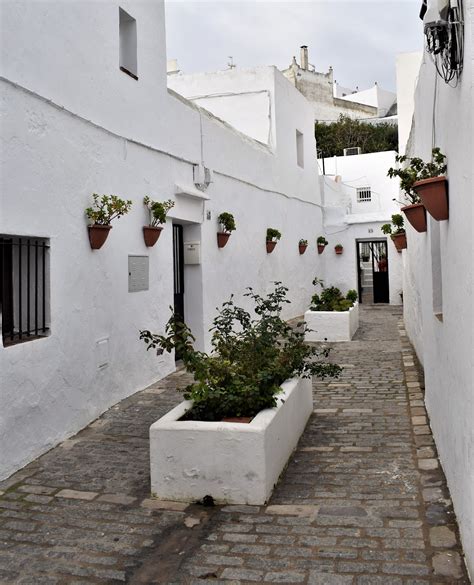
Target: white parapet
{"points": [[332, 325], [235, 463]]}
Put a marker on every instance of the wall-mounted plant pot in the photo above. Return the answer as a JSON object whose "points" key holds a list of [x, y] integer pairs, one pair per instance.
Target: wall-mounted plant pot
{"points": [[400, 241], [338, 249], [302, 248], [434, 196], [97, 235], [416, 215], [151, 235], [270, 246], [222, 239], [321, 248]]}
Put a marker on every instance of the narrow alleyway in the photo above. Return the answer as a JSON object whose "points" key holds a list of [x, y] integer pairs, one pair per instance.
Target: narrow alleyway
{"points": [[362, 502]]}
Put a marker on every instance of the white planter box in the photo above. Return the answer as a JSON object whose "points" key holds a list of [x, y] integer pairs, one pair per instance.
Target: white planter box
{"points": [[332, 325], [234, 463]]}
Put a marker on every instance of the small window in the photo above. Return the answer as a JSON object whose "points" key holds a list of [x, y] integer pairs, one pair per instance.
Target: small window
{"points": [[24, 288], [364, 194], [128, 44], [300, 149]]}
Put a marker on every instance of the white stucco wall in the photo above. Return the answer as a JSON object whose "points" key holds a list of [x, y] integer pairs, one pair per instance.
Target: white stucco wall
{"points": [[88, 127], [408, 67], [375, 96], [440, 263]]}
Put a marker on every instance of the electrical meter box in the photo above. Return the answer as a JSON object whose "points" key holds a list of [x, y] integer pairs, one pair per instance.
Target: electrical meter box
{"points": [[192, 252]]}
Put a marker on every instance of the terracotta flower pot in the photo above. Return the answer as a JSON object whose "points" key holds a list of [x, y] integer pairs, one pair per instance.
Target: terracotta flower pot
{"points": [[97, 235], [338, 249], [302, 248], [321, 248], [222, 239], [151, 235], [416, 215], [270, 246], [434, 196], [400, 241]]}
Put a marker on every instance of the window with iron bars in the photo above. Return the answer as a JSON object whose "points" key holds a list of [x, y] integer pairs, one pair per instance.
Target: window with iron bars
{"points": [[364, 194], [24, 288]]}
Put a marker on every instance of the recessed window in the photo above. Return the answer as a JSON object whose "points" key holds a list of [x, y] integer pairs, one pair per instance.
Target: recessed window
{"points": [[300, 149], [364, 194], [24, 288], [128, 44]]}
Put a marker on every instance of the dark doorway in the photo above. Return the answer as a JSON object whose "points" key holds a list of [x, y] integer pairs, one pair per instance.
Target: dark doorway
{"points": [[178, 269], [372, 265]]}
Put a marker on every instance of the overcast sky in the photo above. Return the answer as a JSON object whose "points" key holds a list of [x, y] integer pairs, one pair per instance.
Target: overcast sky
{"points": [[360, 39]]}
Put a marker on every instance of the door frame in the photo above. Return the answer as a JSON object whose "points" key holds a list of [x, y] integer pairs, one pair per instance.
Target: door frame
{"points": [[359, 271]]}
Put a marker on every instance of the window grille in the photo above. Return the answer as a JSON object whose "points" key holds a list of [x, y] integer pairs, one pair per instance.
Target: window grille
{"points": [[24, 288], [364, 194]]}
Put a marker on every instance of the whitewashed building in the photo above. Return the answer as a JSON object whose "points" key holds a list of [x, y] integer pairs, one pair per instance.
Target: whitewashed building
{"points": [[103, 120], [439, 267], [358, 199]]}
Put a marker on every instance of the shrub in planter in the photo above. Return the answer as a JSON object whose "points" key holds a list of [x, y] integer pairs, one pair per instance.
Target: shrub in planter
{"points": [[251, 357], [396, 231], [157, 211], [331, 298], [273, 236], [322, 243], [415, 173], [302, 245], [227, 223], [339, 248], [104, 210]]}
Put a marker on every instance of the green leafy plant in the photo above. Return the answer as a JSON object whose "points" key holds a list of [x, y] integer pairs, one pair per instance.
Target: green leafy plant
{"points": [[106, 208], [396, 227], [321, 241], [157, 210], [338, 246], [303, 242], [227, 222], [251, 357], [331, 298], [273, 235], [416, 170]]}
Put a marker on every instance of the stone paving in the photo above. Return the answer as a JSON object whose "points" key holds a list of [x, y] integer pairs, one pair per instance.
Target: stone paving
{"points": [[362, 502]]}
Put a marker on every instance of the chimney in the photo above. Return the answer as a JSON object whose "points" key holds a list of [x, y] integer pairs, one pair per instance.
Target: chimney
{"points": [[304, 57]]}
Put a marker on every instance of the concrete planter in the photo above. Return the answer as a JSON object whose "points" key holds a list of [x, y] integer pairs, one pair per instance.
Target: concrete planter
{"points": [[232, 462], [332, 325]]}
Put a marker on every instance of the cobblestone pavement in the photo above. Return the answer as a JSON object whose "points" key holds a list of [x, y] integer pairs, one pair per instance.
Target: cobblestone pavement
{"points": [[363, 500]]}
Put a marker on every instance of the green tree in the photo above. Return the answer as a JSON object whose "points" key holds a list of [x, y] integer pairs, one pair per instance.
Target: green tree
{"points": [[331, 139]]}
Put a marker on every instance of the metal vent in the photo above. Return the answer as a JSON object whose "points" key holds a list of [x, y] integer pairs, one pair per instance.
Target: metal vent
{"points": [[352, 150], [138, 273]]}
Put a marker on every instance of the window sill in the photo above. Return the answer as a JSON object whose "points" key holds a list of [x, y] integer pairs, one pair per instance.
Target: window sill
{"points": [[132, 75]]}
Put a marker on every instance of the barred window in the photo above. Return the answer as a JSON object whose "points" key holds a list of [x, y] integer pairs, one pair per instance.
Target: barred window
{"points": [[364, 194], [24, 288]]}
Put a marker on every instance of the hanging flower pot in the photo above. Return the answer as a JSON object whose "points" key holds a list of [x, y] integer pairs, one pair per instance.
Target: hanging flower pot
{"points": [[433, 193], [400, 241], [302, 248], [416, 215], [321, 248], [270, 246], [273, 236], [151, 235], [222, 239], [97, 235], [338, 249]]}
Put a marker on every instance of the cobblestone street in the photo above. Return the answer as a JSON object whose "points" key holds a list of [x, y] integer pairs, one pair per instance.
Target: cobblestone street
{"points": [[363, 500]]}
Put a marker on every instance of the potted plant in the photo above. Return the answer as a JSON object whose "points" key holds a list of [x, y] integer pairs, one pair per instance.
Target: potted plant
{"points": [[331, 316], [417, 170], [396, 231], [338, 248], [259, 369], [227, 223], [322, 243], [433, 190], [302, 245], [104, 210], [273, 236], [157, 211]]}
